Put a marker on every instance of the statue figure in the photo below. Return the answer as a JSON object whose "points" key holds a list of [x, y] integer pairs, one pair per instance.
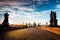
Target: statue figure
{"points": [[5, 23]]}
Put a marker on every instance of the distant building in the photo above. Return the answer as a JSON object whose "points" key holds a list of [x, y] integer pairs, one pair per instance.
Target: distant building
{"points": [[53, 20]]}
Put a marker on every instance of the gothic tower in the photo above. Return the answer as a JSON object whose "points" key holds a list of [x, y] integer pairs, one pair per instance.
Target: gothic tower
{"points": [[53, 20], [5, 22]]}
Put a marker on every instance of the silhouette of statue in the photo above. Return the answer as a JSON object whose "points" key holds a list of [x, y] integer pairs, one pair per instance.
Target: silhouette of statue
{"points": [[38, 24], [26, 25], [30, 25], [53, 20], [34, 25], [46, 24], [5, 22]]}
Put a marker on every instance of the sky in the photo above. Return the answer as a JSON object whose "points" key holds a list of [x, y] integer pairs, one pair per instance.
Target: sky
{"points": [[29, 11]]}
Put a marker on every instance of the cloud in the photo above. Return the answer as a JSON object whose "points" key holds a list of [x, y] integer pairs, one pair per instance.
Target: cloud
{"points": [[58, 6], [9, 3], [57, 1], [25, 12], [20, 13], [28, 16], [21, 3]]}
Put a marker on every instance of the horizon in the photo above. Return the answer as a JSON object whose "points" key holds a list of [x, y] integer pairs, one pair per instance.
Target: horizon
{"points": [[29, 11]]}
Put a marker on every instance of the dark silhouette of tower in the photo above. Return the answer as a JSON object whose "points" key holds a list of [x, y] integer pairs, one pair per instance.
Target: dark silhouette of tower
{"points": [[5, 23], [53, 20]]}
